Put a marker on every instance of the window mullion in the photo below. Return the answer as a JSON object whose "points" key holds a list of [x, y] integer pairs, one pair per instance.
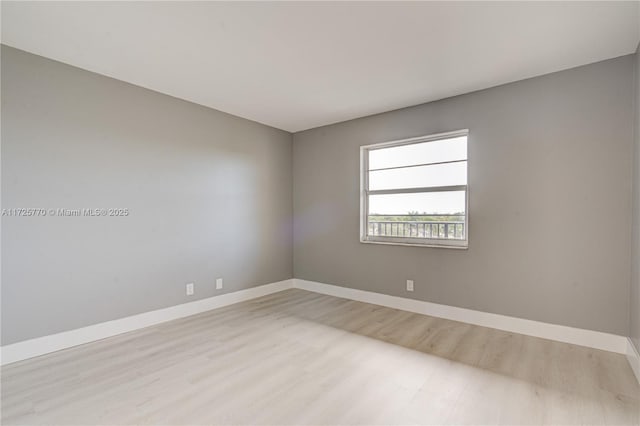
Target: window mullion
{"points": [[417, 190], [418, 165]]}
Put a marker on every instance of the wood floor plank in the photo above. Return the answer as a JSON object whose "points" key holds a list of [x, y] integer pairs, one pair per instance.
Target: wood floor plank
{"points": [[297, 357]]}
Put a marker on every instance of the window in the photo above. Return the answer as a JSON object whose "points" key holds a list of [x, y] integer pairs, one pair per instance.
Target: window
{"points": [[414, 191]]}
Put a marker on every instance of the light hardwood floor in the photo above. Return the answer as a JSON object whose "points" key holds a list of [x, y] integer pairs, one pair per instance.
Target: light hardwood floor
{"points": [[297, 357]]}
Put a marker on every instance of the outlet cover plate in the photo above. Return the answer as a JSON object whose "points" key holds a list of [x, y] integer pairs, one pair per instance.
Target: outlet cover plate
{"points": [[409, 285]]}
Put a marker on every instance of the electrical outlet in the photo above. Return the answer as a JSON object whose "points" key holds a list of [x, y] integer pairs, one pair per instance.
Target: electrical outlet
{"points": [[218, 283], [191, 289], [409, 285]]}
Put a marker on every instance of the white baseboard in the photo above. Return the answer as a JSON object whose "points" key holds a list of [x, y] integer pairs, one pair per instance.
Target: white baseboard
{"points": [[634, 359], [560, 333], [55, 342]]}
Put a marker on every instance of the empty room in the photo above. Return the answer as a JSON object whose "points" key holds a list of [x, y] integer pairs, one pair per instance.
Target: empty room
{"points": [[320, 213]]}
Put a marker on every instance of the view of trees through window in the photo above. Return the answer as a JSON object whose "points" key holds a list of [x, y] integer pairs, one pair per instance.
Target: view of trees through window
{"points": [[415, 225]]}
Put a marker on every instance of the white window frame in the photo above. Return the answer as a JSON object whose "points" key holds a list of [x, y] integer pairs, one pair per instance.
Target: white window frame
{"points": [[365, 192]]}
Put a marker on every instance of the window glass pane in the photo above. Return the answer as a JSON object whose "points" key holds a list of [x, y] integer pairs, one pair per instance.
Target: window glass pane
{"points": [[420, 153], [417, 177], [446, 202], [433, 215]]}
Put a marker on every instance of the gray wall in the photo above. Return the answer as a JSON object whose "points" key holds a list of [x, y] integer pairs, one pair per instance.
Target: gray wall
{"points": [[550, 201], [634, 324], [209, 196]]}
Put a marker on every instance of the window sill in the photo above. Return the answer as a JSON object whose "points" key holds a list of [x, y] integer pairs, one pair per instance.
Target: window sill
{"points": [[407, 244]]}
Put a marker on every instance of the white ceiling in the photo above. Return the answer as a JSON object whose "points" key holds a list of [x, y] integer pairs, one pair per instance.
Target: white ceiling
{"points": [[299, 65]]}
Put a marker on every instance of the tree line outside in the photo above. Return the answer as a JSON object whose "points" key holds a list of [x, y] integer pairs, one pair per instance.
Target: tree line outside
{"points": [[414, 216]]}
